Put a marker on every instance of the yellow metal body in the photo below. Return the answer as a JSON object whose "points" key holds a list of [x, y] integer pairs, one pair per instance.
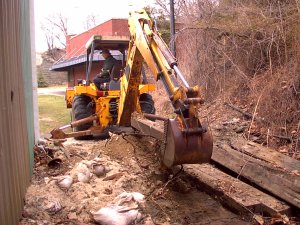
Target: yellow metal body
{"points": [[69, 97], [102, 102]]}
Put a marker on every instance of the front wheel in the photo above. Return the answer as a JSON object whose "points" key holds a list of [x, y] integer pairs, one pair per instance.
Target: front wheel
{"points": [[147, 103], [82, 109]]}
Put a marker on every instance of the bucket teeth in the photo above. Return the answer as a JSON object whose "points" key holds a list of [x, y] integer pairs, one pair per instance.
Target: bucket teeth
{"points": [[164, 145]]}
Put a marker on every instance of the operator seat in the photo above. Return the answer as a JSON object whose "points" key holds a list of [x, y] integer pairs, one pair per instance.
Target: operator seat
{"points": [[116, 73]]}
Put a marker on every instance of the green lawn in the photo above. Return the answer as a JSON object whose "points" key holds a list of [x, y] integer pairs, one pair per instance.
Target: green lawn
{"points": [[53, 113]]}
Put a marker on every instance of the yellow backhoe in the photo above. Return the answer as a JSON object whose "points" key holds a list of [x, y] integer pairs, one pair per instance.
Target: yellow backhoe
{"points": [[97, 111]]}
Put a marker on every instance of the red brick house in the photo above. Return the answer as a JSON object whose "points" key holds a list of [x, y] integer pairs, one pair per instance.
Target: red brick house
{"points": [[74, 61]]}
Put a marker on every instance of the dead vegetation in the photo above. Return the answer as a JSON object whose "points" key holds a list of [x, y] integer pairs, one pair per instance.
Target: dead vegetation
{"points": [[246, 53]]}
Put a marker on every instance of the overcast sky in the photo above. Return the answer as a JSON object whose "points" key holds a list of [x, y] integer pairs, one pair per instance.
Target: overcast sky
{"points": [[78, 10]]}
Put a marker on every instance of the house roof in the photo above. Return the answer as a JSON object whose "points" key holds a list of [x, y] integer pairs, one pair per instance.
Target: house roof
{"points": [[65, 65], [75, 45], [111, 42], [115, 29]]}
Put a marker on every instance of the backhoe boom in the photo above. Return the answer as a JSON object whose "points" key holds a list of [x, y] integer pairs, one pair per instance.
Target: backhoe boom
{"points": [[187, 139]]}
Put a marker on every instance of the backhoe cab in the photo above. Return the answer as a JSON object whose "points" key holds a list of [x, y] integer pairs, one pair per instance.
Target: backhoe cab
{"points": [[186, 138]]}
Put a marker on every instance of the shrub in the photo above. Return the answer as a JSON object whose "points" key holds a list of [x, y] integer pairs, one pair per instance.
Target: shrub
{"points": [[41, 81]]}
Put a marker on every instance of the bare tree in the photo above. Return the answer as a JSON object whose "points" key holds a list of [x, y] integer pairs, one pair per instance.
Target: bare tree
{"points": [[60, 24], [164, 5], [49, 36], [55, 28], [91, 21]]}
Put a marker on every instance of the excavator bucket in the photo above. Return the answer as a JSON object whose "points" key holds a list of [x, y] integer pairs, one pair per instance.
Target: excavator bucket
{"points": [[186, 147], [182, 146]]}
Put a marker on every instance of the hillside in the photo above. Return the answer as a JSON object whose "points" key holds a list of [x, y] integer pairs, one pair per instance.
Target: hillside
{"points": [[246, 54]]}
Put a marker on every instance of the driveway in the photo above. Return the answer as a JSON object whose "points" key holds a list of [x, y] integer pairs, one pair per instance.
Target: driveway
{"points": [[60, 91]]}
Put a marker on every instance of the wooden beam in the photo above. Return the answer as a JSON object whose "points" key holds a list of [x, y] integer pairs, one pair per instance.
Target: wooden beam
{"points": [[235, 194], [274, 179], [265, 154], [148, 127]]}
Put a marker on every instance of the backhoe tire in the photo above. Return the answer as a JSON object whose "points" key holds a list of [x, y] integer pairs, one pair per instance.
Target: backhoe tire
{"points": [[80, 110], [147, 103]]}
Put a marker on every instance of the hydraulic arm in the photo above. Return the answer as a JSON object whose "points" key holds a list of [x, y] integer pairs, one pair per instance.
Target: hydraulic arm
{"points": [[188, 140]]}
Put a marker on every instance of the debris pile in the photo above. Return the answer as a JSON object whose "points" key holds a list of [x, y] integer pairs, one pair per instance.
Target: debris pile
{"points": [[80, 187], [113, 182]]}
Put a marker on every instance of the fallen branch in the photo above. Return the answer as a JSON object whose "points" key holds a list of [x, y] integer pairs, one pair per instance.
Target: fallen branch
{"points": [[172, 179], [253, 117], [114, 176], [75, 222], [290, 139], [246, 114], [76, 154], [133, 145]]}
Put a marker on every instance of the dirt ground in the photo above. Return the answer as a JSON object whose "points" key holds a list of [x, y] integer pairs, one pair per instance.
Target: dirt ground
{"points": [[132, 165]]}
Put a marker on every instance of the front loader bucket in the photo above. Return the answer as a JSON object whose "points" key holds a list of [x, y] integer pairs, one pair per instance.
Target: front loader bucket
{"points": [[186, 148]]}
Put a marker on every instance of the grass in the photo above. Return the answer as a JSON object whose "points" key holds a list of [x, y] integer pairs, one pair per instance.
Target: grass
{"points": [[53, 113]]}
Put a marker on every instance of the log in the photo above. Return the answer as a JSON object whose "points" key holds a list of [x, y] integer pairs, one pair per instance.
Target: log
{"points": [[235, 194], [271, 156], [279, 182]]}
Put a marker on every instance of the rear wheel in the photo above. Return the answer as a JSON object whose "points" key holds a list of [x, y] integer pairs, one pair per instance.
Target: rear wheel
{"points": [[81, 109], [147, 103]]}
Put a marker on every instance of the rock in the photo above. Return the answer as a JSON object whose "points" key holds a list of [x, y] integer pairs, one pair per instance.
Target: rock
{"points": [[72, 216], [148, 221], [115, 176], [42, 141], [294, 132], [108, 191], [231, 122], [73, 209], [256, 139], [158, 183], [145, 165], [82, 207], [157, 172], [28, 213], [240, 129], [53, 207], [296, 172], [218, 127], [99, 169], [244, 124]]}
